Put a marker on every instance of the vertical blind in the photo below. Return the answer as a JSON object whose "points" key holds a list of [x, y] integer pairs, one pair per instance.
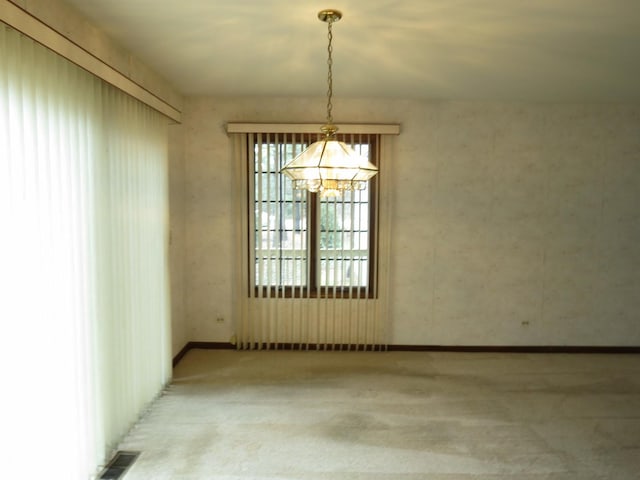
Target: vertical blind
{"points": [[314, 270], [83, 202]]}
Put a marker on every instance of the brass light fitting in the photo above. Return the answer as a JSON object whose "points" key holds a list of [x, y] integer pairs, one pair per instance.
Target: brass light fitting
{"points": [[329, 166]]}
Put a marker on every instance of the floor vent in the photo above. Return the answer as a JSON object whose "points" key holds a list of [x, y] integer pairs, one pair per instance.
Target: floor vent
{"points": [[118, 466]]}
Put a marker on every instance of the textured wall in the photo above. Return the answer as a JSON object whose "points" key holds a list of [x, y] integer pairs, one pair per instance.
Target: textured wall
{"points": [[513, 224], [179, 336], [528, 225]]}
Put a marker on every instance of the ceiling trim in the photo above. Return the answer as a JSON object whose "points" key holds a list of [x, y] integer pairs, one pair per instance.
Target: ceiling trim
{"points": [[42, 33]]}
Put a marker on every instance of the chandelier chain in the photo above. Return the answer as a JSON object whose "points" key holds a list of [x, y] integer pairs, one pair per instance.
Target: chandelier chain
{"points": [[330, 74], [328, 166]]}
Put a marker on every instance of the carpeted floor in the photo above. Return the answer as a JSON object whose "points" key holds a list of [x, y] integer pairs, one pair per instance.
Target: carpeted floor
{"points": [[400, 415]]}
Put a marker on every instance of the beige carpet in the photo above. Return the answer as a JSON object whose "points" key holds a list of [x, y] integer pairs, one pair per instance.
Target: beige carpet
{"points": [[402, 415]]}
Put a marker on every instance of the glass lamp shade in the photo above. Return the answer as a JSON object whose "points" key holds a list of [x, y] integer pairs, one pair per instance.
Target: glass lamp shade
{"points": [[329, 167]]}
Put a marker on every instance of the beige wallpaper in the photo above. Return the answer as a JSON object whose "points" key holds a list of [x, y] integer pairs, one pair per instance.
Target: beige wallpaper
{"points": [[179, 336], [513, 224]]}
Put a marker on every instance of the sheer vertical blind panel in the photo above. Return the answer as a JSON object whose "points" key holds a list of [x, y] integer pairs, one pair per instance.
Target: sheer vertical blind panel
{"points": [[83, 198], [311, 275], [131, 205]]}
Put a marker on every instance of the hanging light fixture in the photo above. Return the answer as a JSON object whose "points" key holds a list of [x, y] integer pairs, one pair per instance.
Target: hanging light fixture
{"points": [[329, 166]]}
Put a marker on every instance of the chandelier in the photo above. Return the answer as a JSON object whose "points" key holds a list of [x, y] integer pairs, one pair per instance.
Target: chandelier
{"points": [[329, 166]]}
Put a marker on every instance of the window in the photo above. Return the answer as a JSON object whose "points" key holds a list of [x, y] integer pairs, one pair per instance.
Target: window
{"points": [[303, 244]]}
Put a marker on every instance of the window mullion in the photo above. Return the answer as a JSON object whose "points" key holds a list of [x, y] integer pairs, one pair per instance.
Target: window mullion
{"points": [[312, 231], [373, 220]]}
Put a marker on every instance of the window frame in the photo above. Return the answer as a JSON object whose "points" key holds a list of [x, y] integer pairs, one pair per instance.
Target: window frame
{"points": [[313, 289]]}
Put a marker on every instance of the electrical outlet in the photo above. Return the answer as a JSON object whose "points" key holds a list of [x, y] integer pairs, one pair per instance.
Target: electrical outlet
{"points": [[220, 319]]}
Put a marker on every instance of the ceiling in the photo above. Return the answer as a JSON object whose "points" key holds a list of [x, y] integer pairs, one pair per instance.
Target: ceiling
{"points": [[535, 50]]}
